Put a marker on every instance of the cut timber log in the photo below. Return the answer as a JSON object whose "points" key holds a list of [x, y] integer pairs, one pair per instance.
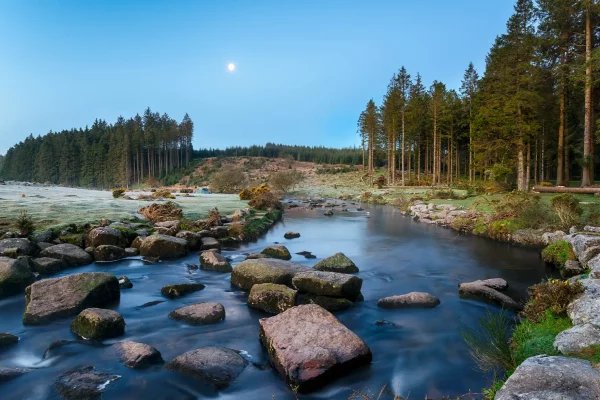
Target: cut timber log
{"points": [[564, 189]]}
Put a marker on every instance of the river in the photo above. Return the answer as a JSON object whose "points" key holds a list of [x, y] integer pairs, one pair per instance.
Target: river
{"points": [[420, 351]]}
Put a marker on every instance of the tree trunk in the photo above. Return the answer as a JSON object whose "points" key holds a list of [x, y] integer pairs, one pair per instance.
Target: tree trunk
{"points": [[560, 168], [528, 169], [587, 175], [402, 149]]}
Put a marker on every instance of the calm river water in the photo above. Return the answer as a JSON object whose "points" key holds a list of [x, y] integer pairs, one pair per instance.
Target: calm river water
{"points": [[420, 353]]}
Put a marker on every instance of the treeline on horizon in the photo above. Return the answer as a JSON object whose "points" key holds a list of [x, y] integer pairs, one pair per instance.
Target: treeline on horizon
{"points": [[530, 117], [138, 149], [316, 154]]}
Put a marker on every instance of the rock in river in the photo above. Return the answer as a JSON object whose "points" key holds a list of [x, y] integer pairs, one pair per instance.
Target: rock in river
{"points": [[328, 303], [125, 283], [409, 300], [163, 246], [213, 261], [83, 384], [6, 339], [486, 290], [61, 297], [324, 283], [265, 270], [208, 243], [544, 377], [200, 314], [271, 297], [280, 252], [15, 247], [308, 346], [291, 235], [216, 366], [70, 254], [98, 324], [108, 252], [180, 289], [105, 235], [137, 355], [47, 265], [337, 263], [8, 373], [15, 276]]}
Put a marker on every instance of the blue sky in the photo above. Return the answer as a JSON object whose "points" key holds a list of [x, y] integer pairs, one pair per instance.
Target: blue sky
{"points": [[305, 69]]}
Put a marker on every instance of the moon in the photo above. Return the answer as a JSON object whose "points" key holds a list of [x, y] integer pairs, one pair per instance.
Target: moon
{"points": [[231, 67]]}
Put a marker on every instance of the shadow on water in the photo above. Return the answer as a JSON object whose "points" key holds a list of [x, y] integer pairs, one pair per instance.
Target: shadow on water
{"points": [[418, 351]]}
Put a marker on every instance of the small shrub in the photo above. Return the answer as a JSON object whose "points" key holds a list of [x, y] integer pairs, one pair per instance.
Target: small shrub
{"points": [[401, 202], [119, 192], [214, 218], [567, 207], [500, 229], [464, 224], [156, 212], [366, 197], [489, 342], [558, 253], [284, 181], [532, 338], [245, 194], [553, 295], [441, 194], [546, 184], [265, 200], [162, 194], [379, 181], [25, 224], [228, 180]]}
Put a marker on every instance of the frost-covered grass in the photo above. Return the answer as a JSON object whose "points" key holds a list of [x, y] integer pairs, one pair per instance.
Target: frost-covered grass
{"points": [[55, 206]]}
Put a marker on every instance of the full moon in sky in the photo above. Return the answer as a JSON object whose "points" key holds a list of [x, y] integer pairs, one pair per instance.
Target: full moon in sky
{"points": [[231, 67]]}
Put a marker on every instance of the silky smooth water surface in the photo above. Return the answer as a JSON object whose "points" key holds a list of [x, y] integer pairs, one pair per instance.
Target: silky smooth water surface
{"points": [[419, 352]]}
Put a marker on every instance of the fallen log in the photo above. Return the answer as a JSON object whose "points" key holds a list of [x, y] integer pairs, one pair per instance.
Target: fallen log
{"points": [[564, 189]]}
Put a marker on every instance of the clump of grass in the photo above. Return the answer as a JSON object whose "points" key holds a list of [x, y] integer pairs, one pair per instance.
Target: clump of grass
{"points": [[533, 338], [558, 253], [553, 295], [162, 194], [156, 212], [25, 224], [489, 343]]}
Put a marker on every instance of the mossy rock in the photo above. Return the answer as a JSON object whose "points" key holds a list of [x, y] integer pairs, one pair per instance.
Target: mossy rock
{"points": [[279, 252], [327, 302], [558, 253], [108, 252], [264, 270], [163, 246], [15, 276], [98, 324], [337, 263], [324, 283], [180, 289], [74, 239], [272, 298]]}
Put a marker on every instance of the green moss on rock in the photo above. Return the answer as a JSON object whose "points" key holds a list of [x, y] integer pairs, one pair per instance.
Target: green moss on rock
{"points": [[98, 324], [272, 298]]}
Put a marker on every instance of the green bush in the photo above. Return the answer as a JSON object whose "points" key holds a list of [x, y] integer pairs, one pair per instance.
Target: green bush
{"points": [[558, 253], [501, 228], [533, 338], [567, 207], [553, 295], [119, 192]]}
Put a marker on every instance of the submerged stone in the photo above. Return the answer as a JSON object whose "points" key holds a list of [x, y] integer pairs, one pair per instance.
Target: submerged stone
{"points": [[409, 300], [180, 289], [83, 384]]}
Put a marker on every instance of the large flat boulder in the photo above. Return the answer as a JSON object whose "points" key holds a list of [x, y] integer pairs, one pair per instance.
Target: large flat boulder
{"points": [[70, 254], [552, 378], [105, 235], [49, 299], [216, 366], [337, 263], [581, 242], [15, 247], [265, 270], [15, 276], [163, 246], [324, 283], [309, 346]]}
